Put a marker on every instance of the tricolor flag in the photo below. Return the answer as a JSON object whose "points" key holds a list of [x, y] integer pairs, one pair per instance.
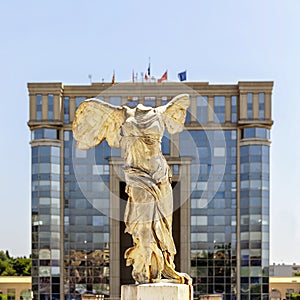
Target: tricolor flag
{"points": [[164, 77], [147, 74], [182, 76]]}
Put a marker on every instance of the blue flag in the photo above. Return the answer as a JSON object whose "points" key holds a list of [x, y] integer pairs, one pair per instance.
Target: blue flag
{"points": [[182, 76]]}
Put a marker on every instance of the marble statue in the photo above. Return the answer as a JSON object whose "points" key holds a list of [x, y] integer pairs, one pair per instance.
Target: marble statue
{"points": [[148, 214]]}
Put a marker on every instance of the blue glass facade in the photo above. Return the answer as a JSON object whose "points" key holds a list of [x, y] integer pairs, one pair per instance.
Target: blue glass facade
{"points": [[46, 264], [213, 210], [86, 222], [254, 212]]}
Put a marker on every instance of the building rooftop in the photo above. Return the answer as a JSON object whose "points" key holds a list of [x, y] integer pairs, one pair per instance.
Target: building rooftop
{"points": [[289, 279], [15, 279]]}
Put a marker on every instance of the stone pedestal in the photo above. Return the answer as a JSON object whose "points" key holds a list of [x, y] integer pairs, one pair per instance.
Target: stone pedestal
{"points": [[157, 291], [211, 297]]}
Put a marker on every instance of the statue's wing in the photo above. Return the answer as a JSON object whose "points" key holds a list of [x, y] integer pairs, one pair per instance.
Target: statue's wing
{"points": [[96, 120], [174, 113]]}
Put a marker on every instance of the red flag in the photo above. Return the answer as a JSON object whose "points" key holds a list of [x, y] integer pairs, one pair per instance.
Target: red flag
{"points": [[164, 77]]}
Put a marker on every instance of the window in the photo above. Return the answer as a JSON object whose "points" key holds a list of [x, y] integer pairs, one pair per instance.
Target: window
{"points": [[166, 143], [44, 134], [78, 100], [233, 109], [50, 106], [250, 106], [11, 294], [149, 101], [202, 109], [132, 102], [115, 100], [219, 109], [66, 110], [38, 107], [256, 132], [261, 101]]}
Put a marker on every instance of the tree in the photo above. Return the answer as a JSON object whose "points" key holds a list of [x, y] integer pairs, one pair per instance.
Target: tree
{"points": [[9, 271], [9, 266], [22, 266]]}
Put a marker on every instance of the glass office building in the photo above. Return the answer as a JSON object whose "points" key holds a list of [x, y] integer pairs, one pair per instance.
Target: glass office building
{"points": [[220, 165]]}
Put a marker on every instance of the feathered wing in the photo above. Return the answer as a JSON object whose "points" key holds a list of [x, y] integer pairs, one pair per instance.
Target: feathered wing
{"points": [[174, 113], [96, 120]]}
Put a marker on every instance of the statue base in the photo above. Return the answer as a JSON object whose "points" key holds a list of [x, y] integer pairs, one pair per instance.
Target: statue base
{"points": [[211, 297], [157, 291]]}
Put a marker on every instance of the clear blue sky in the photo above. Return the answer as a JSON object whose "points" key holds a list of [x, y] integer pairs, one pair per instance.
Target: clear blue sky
{"points": [[215, 40]]}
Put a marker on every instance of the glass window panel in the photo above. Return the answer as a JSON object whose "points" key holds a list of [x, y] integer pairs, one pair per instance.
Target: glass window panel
{"points": [[45, 168], [199, 220], [250, 106], [78, 100], [66, 135], [202, 109], [55, 168], [166, 143], [55, 202], [55, 151], [233, 109], [219, 220], [44, 201], [44, 271], [219, 109], [219, 237], [55, 220], [255, 236], [66, 110], [249, 132], [55, 185], [198, 237], [38, 107], [132, 102], [149, 101], [219, 151], [50, 134], [115, 100], [261, 99], [80, 153], [50, 106]]}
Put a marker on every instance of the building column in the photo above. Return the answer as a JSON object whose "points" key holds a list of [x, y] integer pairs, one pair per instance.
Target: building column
{"points": [[185, 216], [72, 108], [268, 106], [227, 109], [210, 106], [243, 106], [44, 107], [114, 234], [32, 106]]}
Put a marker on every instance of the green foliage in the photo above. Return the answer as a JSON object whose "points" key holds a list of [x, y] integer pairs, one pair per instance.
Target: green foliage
{"points": [[3, 297], [9, 266], [295, 296]]}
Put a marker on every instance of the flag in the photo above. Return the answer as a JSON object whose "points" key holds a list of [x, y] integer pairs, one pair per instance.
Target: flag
{"points": [[164, 77], [113, 78], [182, 76], [147, 74]]}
